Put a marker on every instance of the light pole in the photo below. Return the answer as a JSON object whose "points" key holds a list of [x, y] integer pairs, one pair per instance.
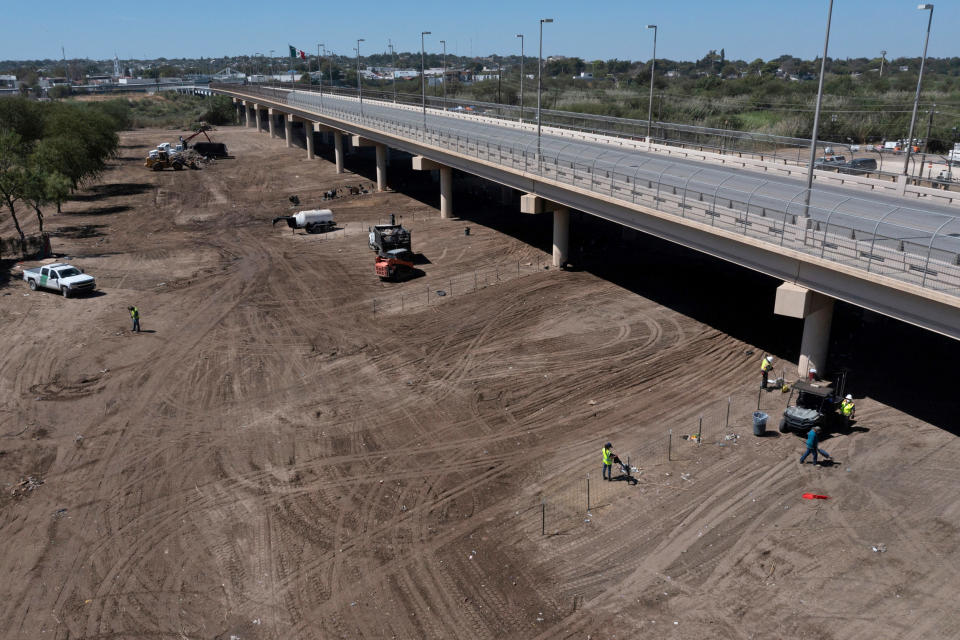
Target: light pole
{"points": [[540, 81], [444, 43], [520, 35], [916, 98], [816, 116], [423, 78], [319, 71], [271, 64], [653, 66], [393, 67], [329, 57], [359, 82], [883, 58]]}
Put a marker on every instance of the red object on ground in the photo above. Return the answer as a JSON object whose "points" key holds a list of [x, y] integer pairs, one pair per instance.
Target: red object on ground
{"points": [[815, 496]]}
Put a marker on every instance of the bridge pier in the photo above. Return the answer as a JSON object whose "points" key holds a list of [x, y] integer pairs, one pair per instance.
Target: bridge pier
{"points": [[272, 122], [382, 167], [338, 150], [246, 113], [288, 130], [308, 134], [532, 203], [816, 310], [561, 236], [446, 183], [256, 112]]}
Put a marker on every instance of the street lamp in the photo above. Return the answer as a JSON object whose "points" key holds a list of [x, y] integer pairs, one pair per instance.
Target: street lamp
{"points": [[319, 71], [653, 65], [359, 83], [883, 58], [393, 66], [916, 98], [816, 116], [423, 78], [271, 64], [444, 43], [540, 81], [520, 35]]}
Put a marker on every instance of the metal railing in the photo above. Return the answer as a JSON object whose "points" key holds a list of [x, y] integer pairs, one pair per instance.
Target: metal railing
{"points": [[907, 244]]}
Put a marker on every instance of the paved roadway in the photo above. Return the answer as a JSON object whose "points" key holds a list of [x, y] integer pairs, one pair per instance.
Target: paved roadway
{"points": [[852, 208]]}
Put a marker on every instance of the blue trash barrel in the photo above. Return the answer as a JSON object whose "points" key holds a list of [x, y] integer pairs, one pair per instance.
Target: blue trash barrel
{"points": [[759, 423]]}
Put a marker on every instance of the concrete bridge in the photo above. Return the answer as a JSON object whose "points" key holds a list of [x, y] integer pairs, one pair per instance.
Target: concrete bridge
{"points": [[868, 242]]}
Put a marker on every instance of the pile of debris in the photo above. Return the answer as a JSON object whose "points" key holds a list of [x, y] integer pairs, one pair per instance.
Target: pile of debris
{"points": [[25, 486]]}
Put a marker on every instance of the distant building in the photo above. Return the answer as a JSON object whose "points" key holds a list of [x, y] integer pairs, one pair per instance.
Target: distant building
{"points": [[583, 75]]}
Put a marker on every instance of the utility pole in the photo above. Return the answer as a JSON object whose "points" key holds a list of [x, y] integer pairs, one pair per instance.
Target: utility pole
{"points": [[520, 35], [926, 141], [444, 43], [916, 97], [816, 119], [883, 58], [66, 70], [393, 66]]}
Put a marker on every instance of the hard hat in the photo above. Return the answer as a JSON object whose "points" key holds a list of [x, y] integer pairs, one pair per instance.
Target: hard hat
{"points": [[770, 358], [849, 397], [817, 429], [607, 446]]}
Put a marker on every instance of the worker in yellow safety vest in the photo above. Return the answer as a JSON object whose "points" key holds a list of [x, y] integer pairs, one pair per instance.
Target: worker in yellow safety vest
{"points": [[847, 409], [135, 317], [608, 457], [766, 365]]}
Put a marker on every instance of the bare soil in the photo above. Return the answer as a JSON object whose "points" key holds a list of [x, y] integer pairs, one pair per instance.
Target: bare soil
{"points": [[276, 456]]}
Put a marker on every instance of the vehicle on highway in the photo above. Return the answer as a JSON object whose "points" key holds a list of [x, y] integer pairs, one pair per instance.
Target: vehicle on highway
{"points": [[858, 166], [62, 277], [816, 406], [829, 162]]}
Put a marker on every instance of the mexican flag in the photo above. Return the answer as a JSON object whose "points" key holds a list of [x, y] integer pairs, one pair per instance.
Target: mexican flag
{"points": [[297, 53]]}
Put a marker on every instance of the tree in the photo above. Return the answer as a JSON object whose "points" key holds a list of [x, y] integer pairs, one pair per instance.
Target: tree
{"points": [[12, 176]]}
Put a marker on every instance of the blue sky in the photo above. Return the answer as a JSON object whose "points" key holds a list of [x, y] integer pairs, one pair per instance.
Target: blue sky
{"points": [[611, 29]]}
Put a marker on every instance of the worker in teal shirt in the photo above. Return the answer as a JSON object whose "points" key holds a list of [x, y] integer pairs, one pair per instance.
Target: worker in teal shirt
{"points": [[813, 443]]}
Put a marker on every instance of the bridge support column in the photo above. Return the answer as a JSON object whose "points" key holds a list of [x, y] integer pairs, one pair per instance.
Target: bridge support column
{"points": [[382, 167], [446, 182], [446, 192], [561, 236], [338, 150], [288, 129], [246, 113], [532, 203], [308, 134], [256, 112], [816, 310]]}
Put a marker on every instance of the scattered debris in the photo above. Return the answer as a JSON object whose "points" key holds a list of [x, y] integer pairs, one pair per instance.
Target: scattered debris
{"points": [[731, 436], [880, 548], [59, 513], [26, 485]]}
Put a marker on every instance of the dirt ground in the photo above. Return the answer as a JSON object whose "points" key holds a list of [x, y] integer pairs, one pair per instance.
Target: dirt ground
{"points": [[275, 456]]}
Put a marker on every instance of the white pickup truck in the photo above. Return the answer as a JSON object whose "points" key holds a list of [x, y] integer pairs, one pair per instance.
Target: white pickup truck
{"points": [[61, 277]]}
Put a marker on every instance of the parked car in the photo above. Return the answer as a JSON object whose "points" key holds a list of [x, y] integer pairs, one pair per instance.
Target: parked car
{"points": [[61, 277], [858, 166]]}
